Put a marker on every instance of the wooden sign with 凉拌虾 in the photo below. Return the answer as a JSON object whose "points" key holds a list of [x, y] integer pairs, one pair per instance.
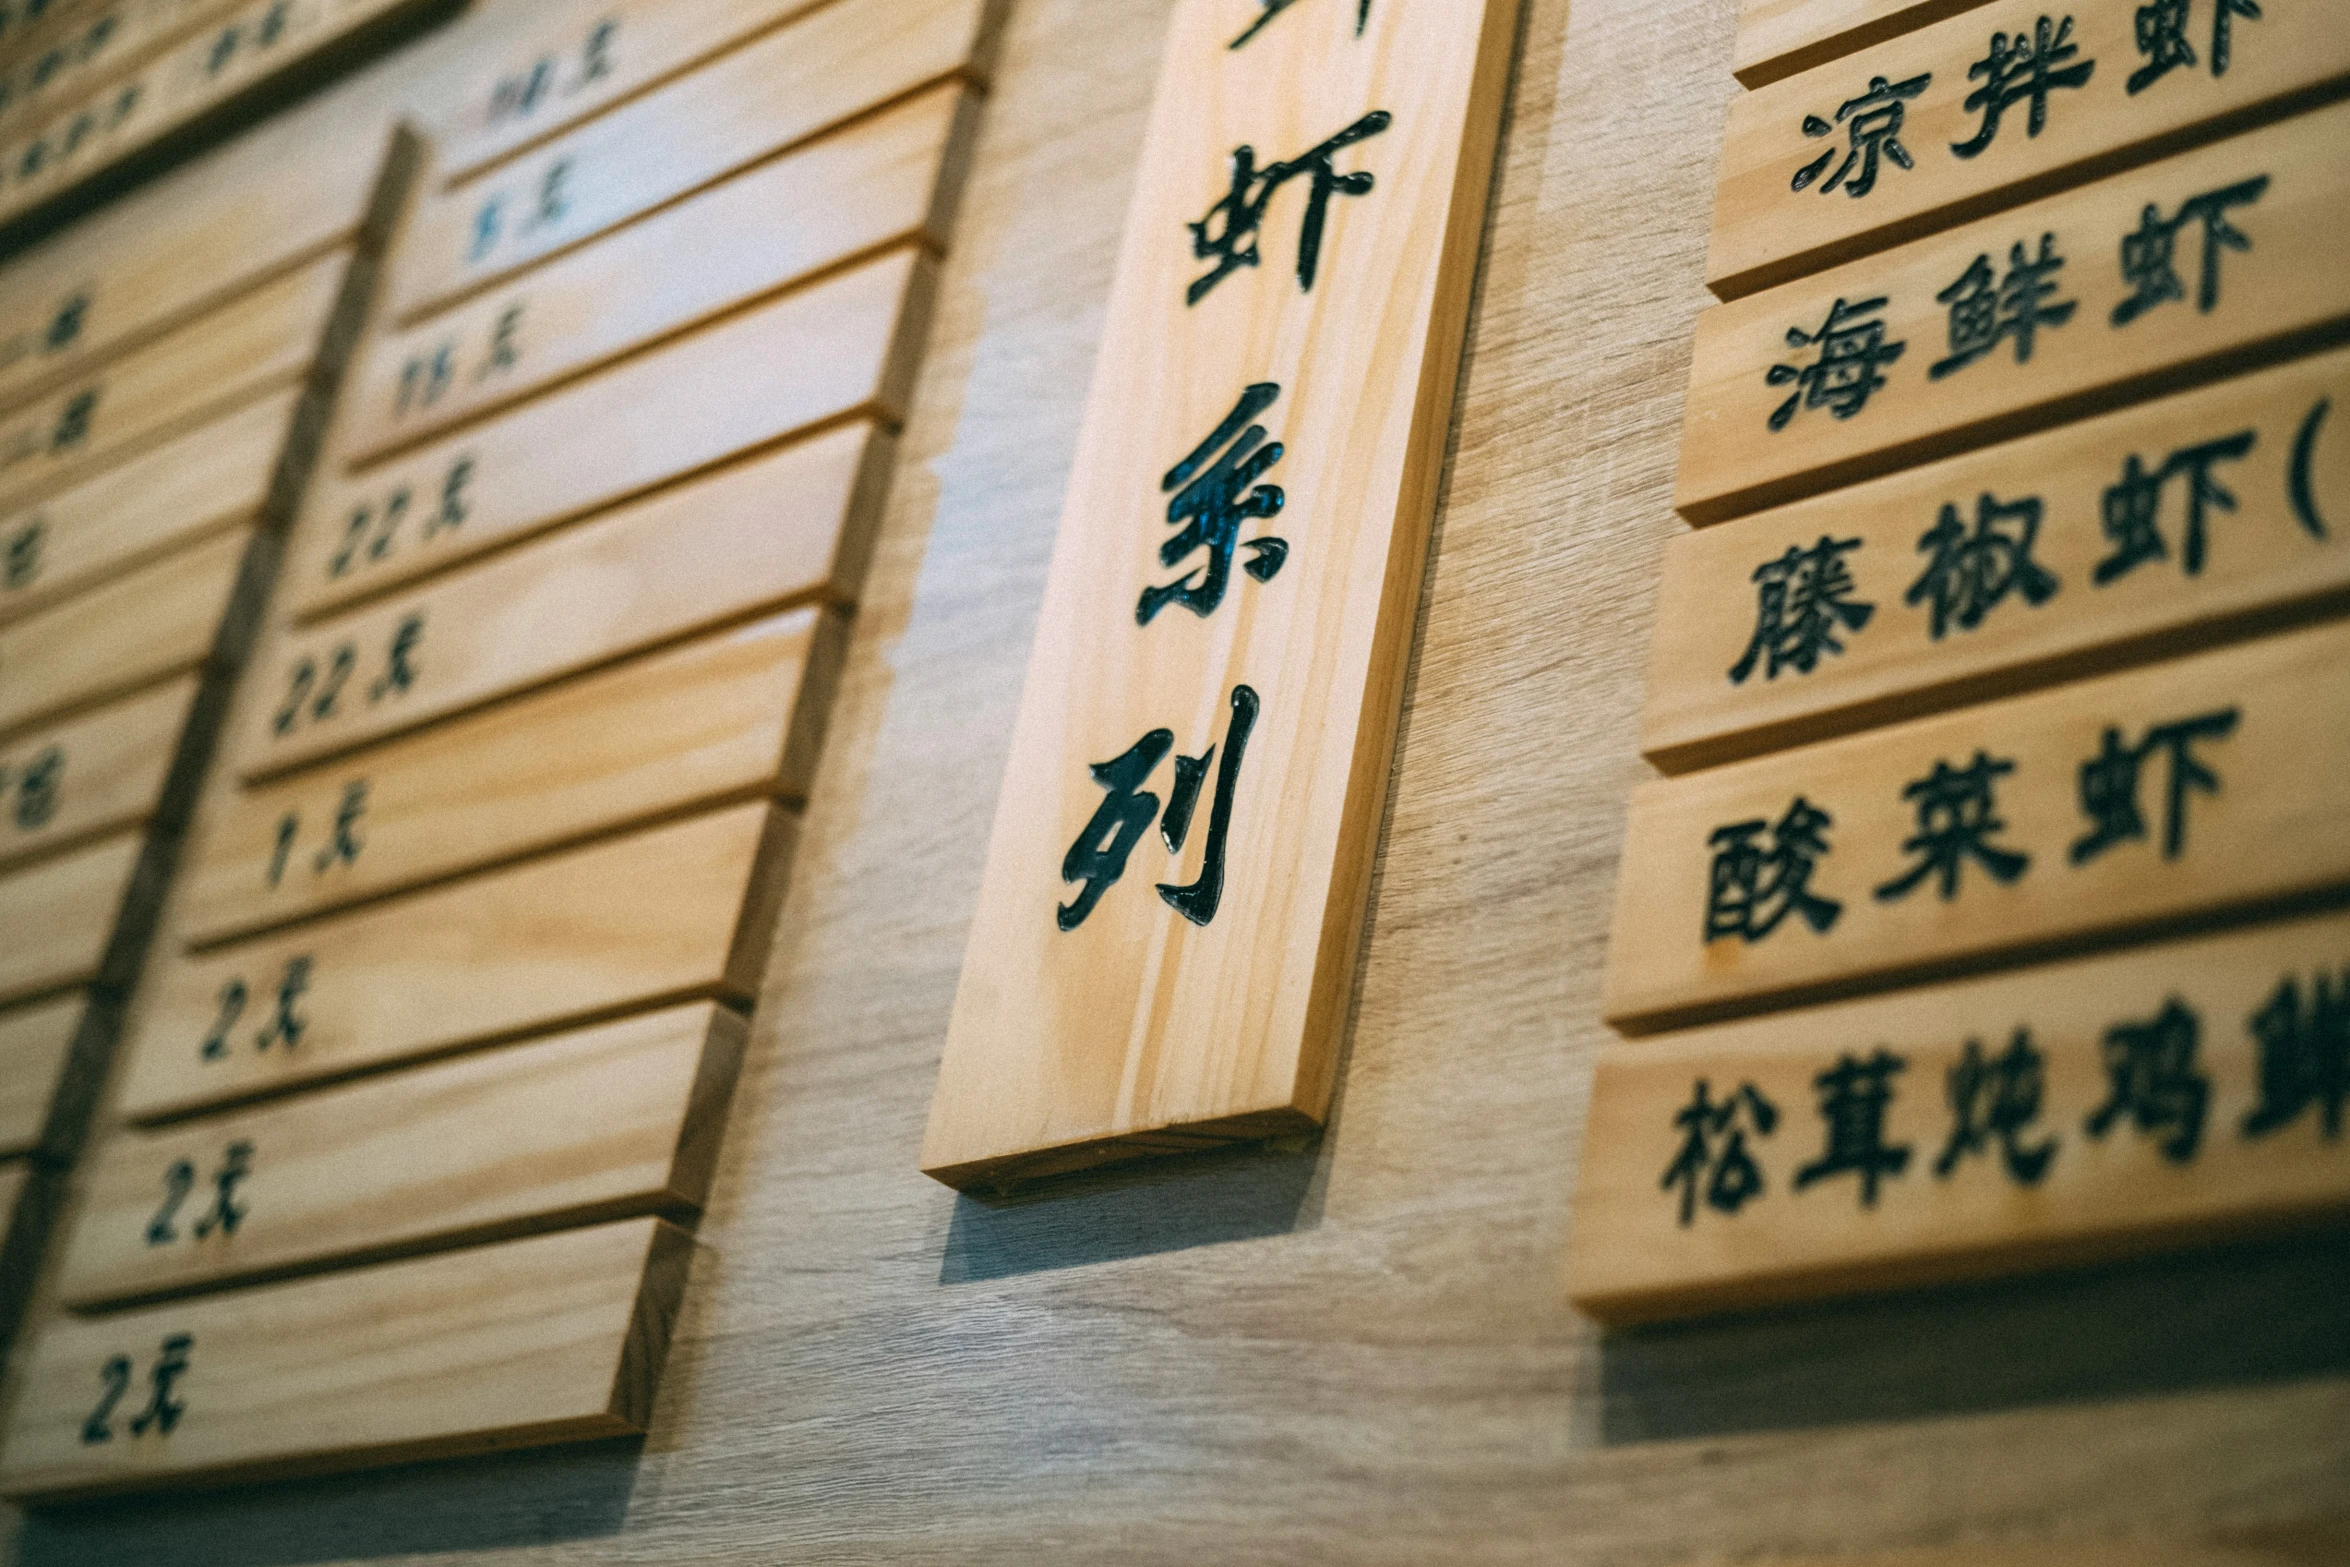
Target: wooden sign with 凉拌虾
{"points": [[671, 913], [92, 773], [35, 1041], [1999, 103], [827, 67], [554, 1338], [1778, 38], [602, 1123], [2208, 786], [1175, 883], [2203, 263], [2116, 539]]}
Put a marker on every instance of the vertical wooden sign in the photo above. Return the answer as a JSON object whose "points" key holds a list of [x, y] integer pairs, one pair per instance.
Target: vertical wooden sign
{"points": [[1175, 881]]}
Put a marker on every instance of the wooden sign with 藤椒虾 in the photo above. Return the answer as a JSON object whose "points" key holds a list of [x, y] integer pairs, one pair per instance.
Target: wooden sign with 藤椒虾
{"points": [[673, 913], [605, 1123], [1175, 882], [2116, 539], [92, 773], [1994, 105], [59, 914], [152, 623], [2180, 791], [881, 181], [758, 535], [34, 1043], [127, 514], [789, 85], [551, 1339], [842, 349], [2056, 1116], [712, 722], [1778, 38], [2069, 305]]}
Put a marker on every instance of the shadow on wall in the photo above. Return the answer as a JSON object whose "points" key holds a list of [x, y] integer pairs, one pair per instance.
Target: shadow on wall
{"points": [[2275, 1311]]}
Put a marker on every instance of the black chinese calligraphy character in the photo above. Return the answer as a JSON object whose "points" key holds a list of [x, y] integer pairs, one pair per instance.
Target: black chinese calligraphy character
{"points": [[36, 789], [343, 843], [1971, 572], [453, 509], [2109, 783], [1209, 501], [1228, 234], [1854, 1096], [2298, 487], [1985, 310], [1997, 1097], [23, 562], [2131, 511], [1098, 857], [2304, 1056], [226, 1213], [1873, 123], [2017, 68], [179, 1179], [115, 1378], [1751, 888], [66, 325], [1714, 1163], [2161, 29], [1957, 815], [399, 661], [232, 999], [504, 352], [2154, 1082], [1852, 353], [1273, 8], [1801, 600], [73, 423], [163, 1411], [2149, 252], [287, 1026], [1198, 901]]}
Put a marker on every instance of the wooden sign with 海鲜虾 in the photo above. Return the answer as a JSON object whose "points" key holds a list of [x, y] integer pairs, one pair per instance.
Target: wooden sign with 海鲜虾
{"points": [[2109, 541], [2204, 263], [1175, 883], [1997, 104], [1778, 38]]}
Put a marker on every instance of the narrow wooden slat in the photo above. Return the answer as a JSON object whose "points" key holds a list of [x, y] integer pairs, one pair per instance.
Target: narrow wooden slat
{"points": [[1200, 999], [605, 1123], [2059, 1115], [787, 86], [59, 914], [762, 534], [1828, 128], [2217, 301], [34, 1041], [550, 71], [549, 1339], [2177, 791], [266, 339], [1777, 38], [659, 915], [126, 515], [711, 722], [155, 622], [2094, 543], [109, 43], [839, 351], [90, 774], [881, 181]]}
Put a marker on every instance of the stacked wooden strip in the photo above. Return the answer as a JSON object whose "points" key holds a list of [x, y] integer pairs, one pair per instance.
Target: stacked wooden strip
{"points": [[456, 985], [2002, 691]]}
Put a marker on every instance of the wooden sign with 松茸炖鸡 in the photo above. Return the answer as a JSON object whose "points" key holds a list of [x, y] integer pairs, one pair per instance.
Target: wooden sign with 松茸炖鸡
{"points": [[1174, 889]]}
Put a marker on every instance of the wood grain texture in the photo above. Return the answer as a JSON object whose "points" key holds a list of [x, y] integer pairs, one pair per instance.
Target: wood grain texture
{"points": [[92, 773], [114, 39], [1777, 38], [33, 1044], [548, 1339], [1359, 1353], [606, 1123], [59, 913]]}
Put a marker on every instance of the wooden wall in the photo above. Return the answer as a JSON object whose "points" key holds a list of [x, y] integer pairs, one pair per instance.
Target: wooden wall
{"points": [[1356, 1351]]}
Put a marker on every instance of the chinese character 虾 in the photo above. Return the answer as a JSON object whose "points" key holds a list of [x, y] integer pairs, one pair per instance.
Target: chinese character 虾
{"points": [[1801, 599], [1722, 1172], [2109, 783], [2153, 1080], [2148, 253], [1956, 818], [1209, 500], [1273, 8], [1997, 1097], [2304, 1056], [1984, 311], [2131, 511], [1852, 352], [1873, 123], [1750, 889], [1854, 1095], [2021, 67], [1098, 857], [2161, 28], [1972, 572], [1232, 244]]}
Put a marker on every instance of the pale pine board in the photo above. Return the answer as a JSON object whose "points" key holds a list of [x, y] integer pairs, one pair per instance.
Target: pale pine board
{"points": [[60, 914], [1777, 38], [34, 1041], [92, 773]]}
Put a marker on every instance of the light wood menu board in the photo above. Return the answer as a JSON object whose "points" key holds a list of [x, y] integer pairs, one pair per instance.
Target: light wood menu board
{"points": [[1175, 883], [1988, 918], [438, 1053]]}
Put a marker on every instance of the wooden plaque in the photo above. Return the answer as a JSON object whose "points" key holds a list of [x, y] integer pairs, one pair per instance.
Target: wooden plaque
{"points": [[59, 914], [550, 1339], [667, 914], [2069, 305], [71, 66], [709, 723], [34, 1043], [1300, 345], [90, 774], [605, 1123], [2183, 790], [769, 95], [1999, 103], [843, 350], [2058, 1115], [2141, 533], [1777, 38]]}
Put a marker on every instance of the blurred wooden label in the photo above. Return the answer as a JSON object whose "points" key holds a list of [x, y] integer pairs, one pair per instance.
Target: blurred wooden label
{"points": [[2065, 306], [2136, 534], [2177, 791], [59, 914], [1882, 145], [2064, 1114], [34, 1042], [1777, 38], [91, 773], [113, 38], [1174, 893]]}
